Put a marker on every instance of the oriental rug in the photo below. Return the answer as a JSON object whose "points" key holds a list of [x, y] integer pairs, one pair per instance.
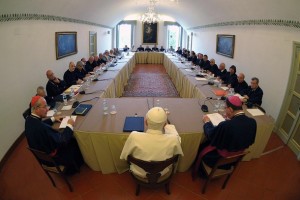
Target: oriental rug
{"points": [[149, 81]]}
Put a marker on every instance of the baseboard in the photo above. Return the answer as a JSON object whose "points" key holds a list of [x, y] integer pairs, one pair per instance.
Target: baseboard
{"points": [[10, 150]]}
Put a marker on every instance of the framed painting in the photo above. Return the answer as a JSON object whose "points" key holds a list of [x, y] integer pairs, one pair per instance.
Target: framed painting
{"points": [[65, 44], [225, 45], [150, 33]]}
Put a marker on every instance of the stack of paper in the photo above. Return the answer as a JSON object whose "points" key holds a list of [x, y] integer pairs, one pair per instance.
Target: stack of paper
{"points": [[225, 88], [200, 79], [215, 118], [255, 112], [74, 87], [64, 122], [188, 70]]}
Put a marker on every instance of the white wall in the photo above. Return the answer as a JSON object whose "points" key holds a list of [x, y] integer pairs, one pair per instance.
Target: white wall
{"points": [[27, 51], [261, 51]]}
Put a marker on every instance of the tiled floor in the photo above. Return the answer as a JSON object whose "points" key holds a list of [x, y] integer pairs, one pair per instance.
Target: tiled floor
{"points": [[273, 176]]}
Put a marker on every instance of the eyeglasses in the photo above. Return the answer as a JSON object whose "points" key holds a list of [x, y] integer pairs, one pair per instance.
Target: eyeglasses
{"points": [[45, 106]]}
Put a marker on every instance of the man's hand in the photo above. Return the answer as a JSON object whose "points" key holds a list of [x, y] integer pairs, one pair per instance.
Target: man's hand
{"points": [[56, 80], [71, 122], [58, 118]]}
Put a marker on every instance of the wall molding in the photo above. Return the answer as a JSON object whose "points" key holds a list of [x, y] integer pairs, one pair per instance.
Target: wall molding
{"points": [[253, 22], [23, 16]]}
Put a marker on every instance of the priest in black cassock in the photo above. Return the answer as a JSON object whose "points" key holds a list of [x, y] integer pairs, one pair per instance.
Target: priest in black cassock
{"points": [[41, 136], [71, 77], [228, 138]]}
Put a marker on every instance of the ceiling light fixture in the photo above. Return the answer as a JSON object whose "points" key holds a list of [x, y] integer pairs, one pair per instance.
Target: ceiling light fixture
{"points": [[150, 16]]}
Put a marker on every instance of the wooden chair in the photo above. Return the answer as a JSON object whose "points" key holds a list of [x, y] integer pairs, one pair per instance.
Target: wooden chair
{"points": [[153, 169], [52, 167], [215, 171]]}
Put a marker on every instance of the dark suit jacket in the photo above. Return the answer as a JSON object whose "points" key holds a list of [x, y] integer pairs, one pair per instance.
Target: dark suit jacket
{"points": [[141, 49], [70, 78], [239, 87], [41, 136], [54, 89], [255, 96]]}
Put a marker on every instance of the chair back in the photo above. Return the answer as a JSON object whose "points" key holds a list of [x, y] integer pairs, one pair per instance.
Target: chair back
{"points": [[153, 168], [235, 159], [41, 156], [216, 171]]}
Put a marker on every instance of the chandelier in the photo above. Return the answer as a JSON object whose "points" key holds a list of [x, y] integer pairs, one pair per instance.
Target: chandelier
{"points": [[150, 16]]}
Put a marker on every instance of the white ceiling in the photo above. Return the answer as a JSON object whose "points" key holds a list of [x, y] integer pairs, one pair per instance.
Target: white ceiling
{"points": [[189, 13]]}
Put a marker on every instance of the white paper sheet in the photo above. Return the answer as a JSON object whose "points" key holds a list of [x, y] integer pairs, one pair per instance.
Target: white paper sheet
{"points": [[69, 107], [225, 88], [64, 122], [215, 118], [255, 112], [50, 113], [200, 79], [188, 70]]}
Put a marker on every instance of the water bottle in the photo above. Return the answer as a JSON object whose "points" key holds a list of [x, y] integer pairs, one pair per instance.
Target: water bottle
{"points": [[105, 107], [157, 104], [72, 94], [65, 99]]}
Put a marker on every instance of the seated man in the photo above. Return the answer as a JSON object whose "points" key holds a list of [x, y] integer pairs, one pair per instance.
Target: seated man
{"points": [[40, 91], [231, 78], [200, 61], [126, 48], [102, 60], [71, 77], [241, 84], [90, 64], [111, 54], [206, 63], [222, 71], [160, 142], [162, 48], [213, 67], [155, 48], [140, 48], [147, 48], [80, 71], [253, 94], [40, 136], [230, 137], [179, 51], [54, 86]]}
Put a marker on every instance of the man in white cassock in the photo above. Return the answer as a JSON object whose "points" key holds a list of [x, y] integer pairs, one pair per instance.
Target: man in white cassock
{"points": [[160, 141]]}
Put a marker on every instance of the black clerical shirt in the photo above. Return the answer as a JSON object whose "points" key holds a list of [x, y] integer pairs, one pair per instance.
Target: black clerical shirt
{"points": [[71, 78], [54, 89]]}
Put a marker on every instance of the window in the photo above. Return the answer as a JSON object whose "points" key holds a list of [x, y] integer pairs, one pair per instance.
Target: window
{"points": [[174, 36], [125, 35]]}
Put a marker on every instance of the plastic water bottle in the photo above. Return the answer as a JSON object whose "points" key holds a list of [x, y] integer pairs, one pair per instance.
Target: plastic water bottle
{"points": [[65, 99], [105, 107], [72, 94]]}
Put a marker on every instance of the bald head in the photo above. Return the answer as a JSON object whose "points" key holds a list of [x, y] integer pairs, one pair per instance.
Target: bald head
{"points": [[241, 77], [50, 75], [222, 66], [71, 66]]}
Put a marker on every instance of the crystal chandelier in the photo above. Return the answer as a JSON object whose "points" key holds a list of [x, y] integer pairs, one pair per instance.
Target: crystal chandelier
{"points": [[150, 16]]}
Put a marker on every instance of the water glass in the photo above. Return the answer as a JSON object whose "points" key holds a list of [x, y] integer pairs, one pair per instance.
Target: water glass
{"points": [[113, 110]]}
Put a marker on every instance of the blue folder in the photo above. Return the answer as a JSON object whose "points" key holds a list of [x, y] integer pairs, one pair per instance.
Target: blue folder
{"points": [[134, 124]]}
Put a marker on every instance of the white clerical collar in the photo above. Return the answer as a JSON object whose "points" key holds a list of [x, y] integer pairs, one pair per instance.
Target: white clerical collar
{"points": [[239, 113], [35, 115], [154, 132]]}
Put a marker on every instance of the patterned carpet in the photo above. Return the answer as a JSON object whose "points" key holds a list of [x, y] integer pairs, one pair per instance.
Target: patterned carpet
{"points": [[153, 83]]}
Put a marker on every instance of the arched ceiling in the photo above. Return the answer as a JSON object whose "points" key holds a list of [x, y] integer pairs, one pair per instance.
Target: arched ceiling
{"points": [[189, 13]]}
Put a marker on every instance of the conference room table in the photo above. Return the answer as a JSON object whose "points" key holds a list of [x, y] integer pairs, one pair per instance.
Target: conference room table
{"points": [[101, 137]]}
